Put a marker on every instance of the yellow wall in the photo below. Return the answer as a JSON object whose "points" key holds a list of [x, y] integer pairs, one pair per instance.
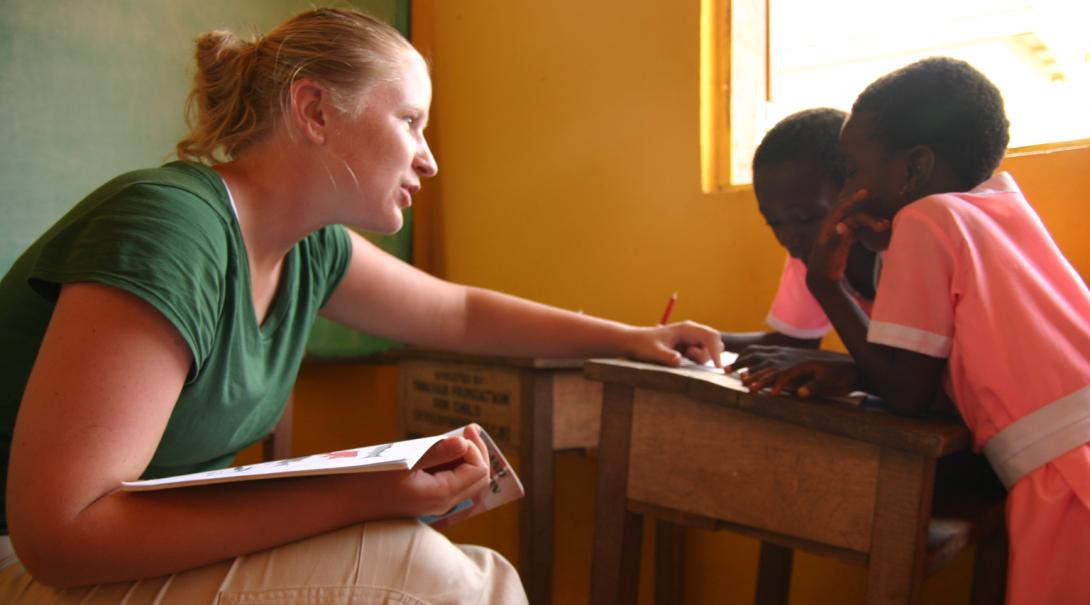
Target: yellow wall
{"points": [[566, 134]]}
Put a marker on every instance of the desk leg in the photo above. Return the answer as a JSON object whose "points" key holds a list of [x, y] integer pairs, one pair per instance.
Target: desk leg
{"points": [[614, 577], [990, 569], [773, 574], [669, 563], [896, 565], [536, 460]]}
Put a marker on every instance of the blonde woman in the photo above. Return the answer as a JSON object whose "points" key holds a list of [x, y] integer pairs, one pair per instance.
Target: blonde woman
{"points": [[157, 329]]}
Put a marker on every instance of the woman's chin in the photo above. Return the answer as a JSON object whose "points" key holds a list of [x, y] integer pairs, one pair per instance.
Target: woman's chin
{"points": [[390, 226]]}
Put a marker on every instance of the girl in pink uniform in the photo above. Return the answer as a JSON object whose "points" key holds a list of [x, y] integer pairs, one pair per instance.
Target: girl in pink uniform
{"points": [[797, 176], [975, 302]]}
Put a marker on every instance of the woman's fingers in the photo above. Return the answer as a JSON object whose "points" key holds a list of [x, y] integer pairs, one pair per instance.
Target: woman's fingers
{"points": [[703, 343], [698, 354], [444, 454], [454, 469], [663, 343], [473, 434]]}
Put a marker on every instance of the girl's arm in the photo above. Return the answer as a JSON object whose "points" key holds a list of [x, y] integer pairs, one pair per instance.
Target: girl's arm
{"points": [[907, 381], [104, 384], [739, 341], [383, 296]]}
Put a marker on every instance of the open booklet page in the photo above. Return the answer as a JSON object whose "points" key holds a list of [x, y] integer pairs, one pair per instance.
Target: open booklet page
{"points": [[504, 485]]}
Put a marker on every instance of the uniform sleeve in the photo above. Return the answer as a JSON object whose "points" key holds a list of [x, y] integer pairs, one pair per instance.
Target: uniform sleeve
{"points": [[161, 244], [914, 308], [795, 312]]}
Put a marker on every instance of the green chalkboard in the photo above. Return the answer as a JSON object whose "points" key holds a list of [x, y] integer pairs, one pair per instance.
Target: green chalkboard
{"points": [[93, 89]]}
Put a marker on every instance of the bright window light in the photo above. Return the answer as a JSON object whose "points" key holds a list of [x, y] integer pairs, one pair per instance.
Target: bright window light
{"points": [[822, 54]]}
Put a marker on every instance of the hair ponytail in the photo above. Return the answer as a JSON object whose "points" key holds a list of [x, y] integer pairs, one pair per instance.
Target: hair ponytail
{"points": [[222, 116], [242, 87]]}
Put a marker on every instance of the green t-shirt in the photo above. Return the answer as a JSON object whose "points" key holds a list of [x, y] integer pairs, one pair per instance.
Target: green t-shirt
{"points": [[169, 236]]}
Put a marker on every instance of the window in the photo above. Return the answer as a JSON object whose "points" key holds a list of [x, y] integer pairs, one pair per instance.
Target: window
{"points": [[806, 54]]}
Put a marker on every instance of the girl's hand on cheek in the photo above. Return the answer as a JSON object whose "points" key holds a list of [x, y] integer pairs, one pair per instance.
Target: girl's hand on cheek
{"points": [[838, 232]]}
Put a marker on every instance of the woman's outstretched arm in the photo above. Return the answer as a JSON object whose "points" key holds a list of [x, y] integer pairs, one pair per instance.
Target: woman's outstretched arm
{"points": [[384, 296]]}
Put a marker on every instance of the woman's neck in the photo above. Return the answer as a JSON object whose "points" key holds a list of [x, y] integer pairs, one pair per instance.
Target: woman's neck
{"points": [[272, 200]]}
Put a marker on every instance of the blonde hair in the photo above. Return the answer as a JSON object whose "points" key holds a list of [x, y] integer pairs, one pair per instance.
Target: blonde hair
{"points": [[242, 87]]}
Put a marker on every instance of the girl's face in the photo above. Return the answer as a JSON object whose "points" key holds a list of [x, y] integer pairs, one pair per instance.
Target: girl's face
{"points": [[867, 165], [380, 153], [794, 197]]}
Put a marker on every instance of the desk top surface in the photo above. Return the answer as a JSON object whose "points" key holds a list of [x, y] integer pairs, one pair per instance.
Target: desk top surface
{"points": [[930, 436], [537, 363]]}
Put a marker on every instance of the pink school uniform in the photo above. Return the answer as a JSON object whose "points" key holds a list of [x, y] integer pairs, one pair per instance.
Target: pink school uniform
{"points": [[975, 278], [795, 312]]}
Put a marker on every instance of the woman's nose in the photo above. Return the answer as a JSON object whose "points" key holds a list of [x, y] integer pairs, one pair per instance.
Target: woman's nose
{"points": [[424, 163]]}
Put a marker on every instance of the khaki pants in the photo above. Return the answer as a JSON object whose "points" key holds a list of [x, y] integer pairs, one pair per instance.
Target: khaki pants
{"points": [[380, 562]]}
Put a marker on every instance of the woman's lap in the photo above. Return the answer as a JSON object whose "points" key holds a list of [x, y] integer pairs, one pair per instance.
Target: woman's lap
{"points": [[382, 562]]}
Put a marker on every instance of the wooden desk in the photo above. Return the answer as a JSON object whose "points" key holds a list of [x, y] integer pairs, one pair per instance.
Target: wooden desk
{"points": [[694, 448], [531, 408]]}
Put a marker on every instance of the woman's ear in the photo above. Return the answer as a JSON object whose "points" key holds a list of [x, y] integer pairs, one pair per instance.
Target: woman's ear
{"points": [[919, 166], [308, 110]]}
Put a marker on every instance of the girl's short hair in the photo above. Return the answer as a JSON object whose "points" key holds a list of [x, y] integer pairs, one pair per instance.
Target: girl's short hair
{"points": [[946, 105], [811, 134], [242, 87]]}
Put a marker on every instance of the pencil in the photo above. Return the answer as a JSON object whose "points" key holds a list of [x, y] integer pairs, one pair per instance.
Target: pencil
{"points": [[669, 308]]}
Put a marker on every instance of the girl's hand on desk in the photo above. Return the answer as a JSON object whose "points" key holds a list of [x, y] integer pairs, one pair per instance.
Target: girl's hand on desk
{"points": [[453, 470], [666, 344], [755, 358], [807, 379]]}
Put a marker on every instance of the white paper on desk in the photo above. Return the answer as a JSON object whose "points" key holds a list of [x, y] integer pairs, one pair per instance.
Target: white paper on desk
{"points": [[725, 359]]}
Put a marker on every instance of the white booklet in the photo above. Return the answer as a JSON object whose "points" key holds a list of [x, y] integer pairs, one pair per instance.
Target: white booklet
{"points": [[504, 485]]}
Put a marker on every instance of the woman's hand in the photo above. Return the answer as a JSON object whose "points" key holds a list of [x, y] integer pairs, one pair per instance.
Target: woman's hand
{"points": [[666, 344], [453, 470], [828, 378], [755, 358]]}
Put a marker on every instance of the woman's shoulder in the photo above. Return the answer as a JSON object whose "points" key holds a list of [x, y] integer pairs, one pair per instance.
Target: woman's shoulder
{"points": [[175, 197], [181, 180]]}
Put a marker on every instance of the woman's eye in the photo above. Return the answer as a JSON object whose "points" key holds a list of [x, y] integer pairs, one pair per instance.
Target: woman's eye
{"points": [[410, 120]]}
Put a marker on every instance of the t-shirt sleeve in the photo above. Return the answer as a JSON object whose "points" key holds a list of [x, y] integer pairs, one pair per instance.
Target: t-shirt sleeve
{"points": [[330, 257], [914, 308], [795, 312], [164, 245]]}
